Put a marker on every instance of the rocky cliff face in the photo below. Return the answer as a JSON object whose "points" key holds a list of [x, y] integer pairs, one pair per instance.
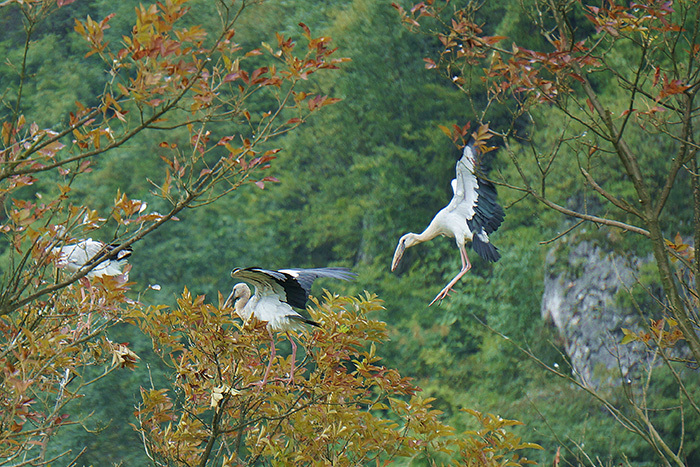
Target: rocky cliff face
{"points": [[580, 286]]}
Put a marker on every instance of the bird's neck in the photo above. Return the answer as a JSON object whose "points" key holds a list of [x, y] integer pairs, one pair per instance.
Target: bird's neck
{"points": [[244, 307], [429, 233]]}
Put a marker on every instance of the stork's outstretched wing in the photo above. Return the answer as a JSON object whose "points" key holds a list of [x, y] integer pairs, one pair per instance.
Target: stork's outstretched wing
{"points": [[292, 285], [475, 197], [465, 186], [265, 281], [298, 282], [488, 214]]}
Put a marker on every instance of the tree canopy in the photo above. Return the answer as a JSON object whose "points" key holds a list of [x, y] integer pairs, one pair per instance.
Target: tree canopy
{"points": [[206, 136]]}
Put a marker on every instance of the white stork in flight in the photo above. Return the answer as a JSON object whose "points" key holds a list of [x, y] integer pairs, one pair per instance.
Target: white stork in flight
{"points": [[276, 292], [472, 215], [85, 253]]}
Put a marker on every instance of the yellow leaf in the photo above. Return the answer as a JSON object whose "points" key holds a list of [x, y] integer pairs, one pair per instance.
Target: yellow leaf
{"points": [[123, 356], [629, 336], [529, 446]]}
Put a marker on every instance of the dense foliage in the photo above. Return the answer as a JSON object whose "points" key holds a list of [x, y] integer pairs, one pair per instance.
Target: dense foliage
{"points": [[623, 79], [155, 126]]}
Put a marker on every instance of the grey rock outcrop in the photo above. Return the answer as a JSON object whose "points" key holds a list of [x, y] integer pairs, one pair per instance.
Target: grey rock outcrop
{"points": [[581, 282]]}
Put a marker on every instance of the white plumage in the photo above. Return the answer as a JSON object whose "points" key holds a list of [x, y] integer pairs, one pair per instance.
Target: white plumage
{"points": [[276, 293], [267, 307], [472, 214], [87, 252]]}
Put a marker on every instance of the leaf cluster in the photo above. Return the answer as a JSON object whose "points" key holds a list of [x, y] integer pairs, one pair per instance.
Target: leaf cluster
{"points": [[343, 408]]}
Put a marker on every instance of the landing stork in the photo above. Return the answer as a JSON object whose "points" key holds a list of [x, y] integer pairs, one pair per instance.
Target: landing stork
{"points": [[85, 253], [471, 216], [276, 292]]}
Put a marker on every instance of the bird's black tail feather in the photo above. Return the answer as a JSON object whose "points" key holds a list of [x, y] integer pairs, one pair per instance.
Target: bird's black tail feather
{"points": [[485, 249], [121, 255], [304, 320]]}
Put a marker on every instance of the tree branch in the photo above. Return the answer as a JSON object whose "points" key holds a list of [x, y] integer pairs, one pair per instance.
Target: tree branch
{"points": [[617, 202]]}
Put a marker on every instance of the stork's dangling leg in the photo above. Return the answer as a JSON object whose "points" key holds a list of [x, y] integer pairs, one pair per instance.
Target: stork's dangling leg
{"points": [[294, 359], [466, 266], [273, 352]]}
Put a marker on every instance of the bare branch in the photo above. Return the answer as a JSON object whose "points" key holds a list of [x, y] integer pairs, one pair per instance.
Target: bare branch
{"points": [[622, 204]]}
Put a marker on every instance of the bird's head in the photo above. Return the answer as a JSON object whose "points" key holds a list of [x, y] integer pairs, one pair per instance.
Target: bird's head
{"points": [[240, 291], [406, 241]]}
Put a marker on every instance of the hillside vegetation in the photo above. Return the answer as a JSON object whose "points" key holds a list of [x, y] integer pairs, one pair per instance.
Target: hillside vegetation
{"points": [[209, 135]]}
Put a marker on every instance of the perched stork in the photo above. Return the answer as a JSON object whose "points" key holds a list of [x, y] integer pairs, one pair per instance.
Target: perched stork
{"points": [[472, 215], [87, 252], [276, 292]]}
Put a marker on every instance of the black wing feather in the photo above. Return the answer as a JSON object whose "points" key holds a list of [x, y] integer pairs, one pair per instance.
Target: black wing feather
{"points": [[485, 249], [488, 214], [296, 283], [107, 253]]}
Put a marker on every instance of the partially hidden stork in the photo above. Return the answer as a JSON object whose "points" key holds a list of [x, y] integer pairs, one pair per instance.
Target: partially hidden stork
{"points": [[472, 215], [85, 253], [276, 292]]}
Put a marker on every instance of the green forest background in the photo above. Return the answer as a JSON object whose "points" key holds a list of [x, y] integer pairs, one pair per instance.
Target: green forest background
{"points": [[354, 179]]}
